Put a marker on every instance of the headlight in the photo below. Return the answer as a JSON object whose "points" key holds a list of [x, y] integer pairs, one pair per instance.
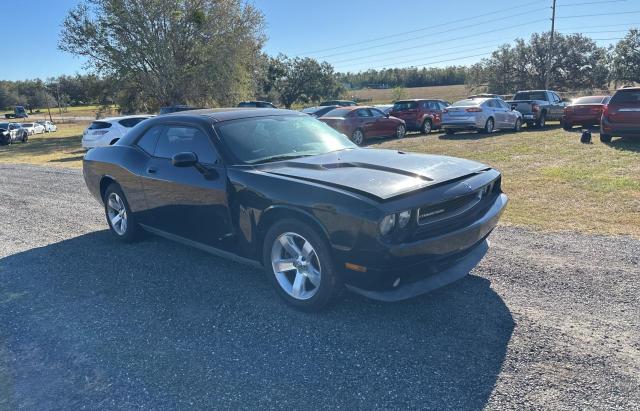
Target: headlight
{"points": [[387, 224], [404, 218]]}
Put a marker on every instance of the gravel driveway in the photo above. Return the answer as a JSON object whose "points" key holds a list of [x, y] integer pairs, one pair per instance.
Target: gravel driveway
{"points": [[546, 321]]}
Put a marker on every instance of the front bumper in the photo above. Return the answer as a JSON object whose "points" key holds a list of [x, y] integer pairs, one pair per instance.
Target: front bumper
{"points": [[410, 269]]}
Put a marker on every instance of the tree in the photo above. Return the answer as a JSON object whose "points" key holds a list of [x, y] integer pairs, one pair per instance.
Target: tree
{"points": [[301, 80], [625, 58], [171, 51]]}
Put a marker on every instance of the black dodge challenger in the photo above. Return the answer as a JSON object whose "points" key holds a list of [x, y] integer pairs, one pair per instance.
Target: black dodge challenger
{"points": [[281, 189]]}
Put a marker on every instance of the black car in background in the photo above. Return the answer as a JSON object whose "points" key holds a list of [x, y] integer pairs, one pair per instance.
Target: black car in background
{"points": [[318, 111], [256, 104], [281, 189], [12, 132]]}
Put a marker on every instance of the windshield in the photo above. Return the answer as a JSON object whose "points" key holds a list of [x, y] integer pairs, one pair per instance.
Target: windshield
{"points": [[467, 102], [261, 139], [588, 100], [626, 97]]}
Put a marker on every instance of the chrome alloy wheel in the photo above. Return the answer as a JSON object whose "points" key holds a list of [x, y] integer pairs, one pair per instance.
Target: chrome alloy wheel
{"points": [[296, 266], [117, 213], [400, 131], [357, 137]]}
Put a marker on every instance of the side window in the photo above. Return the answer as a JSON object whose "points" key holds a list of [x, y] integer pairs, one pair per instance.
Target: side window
{"points": [[376, 113], [149, 139], [178, 139], [363, 113], [130, 122], [491, 103]]}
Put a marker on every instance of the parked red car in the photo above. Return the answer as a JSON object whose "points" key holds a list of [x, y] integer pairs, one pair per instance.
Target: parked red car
{"points": [[360, 123], [621, 117], [584, 111], [420, 114]]}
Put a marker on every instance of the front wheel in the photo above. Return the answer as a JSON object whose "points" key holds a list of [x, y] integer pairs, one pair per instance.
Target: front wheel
{"points": [[121, 220], [400, 131], [299, 264], [605, 138], [426, 127], [518, 126], [357, 137]]}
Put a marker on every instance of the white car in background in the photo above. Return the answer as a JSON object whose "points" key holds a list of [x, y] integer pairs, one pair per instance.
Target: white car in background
{"points": [[107, 131], [33, 128], [48, 126]]}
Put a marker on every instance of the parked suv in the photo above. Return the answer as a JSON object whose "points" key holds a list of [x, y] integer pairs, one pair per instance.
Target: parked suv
{"points": [[11, 132], [621, 117], [420, 115]]}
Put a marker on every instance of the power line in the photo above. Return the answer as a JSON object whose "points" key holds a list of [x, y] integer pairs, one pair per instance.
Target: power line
{"points": [[446, 31], [414, 31], [599, 15], [590, 2]]}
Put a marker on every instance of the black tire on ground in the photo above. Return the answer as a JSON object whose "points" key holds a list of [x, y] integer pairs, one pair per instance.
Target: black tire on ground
{"points": [[331, 286], [567, 127], [357, 137], [518, 125], [530, 124], [426, 126], [605, 138], [133, 230], [449, 131], [542, 121], [25, 137], [489, 126]]}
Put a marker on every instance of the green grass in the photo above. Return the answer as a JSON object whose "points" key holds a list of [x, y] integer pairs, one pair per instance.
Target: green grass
{"points": [[385, 96]]}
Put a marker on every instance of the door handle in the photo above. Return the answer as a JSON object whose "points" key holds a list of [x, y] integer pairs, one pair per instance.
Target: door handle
{"points": [[151, 170]]}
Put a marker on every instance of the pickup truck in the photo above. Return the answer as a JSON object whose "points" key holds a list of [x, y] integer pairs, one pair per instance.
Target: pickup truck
{"points": [[18, 112], [538, 106]]}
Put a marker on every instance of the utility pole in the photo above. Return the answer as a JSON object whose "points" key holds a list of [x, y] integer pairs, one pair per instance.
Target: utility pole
{"points": [[547, 75]]}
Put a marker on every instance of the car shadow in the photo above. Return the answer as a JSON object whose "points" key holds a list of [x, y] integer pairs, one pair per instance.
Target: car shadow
{"points": [[625, 144], [87, 322], [470, 135]]}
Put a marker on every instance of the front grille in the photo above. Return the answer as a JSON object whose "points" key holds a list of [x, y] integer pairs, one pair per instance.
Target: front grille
{"points": [[447, 209]]}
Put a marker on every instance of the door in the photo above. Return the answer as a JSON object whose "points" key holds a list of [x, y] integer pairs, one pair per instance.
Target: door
{"points": [[557, 107], [190, 202], [383, 124], [510, 115], [366, 122], [499, 113]]}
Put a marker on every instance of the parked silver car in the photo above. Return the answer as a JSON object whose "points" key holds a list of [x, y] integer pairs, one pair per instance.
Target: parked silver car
{"points": [[480, 114]]}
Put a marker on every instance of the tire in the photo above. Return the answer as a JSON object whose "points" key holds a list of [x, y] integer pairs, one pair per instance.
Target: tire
{"points": [[114, 202], [567, 127], [427, 127], [530, 124], [357, 137], [449, 131], [292, 277], [542, 121], [489, 126], [401, 131], [517, 126], [605, 138], [25, 137]]}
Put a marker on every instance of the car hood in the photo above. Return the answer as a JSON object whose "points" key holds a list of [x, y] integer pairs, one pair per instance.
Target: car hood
{"points": [[382, 174]]}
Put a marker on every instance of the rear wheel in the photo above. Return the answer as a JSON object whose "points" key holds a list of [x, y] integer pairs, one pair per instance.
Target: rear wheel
{"points": [[121, 220], [357, 137], [605, 138], [299, 264], [426, 126], [489, 126]]}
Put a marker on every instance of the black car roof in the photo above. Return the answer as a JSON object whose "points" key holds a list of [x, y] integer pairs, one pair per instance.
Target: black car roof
{"points": [[234, 113]]}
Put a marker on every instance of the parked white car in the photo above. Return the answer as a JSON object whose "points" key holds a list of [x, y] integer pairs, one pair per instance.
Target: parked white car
{"points": [[48, 126], [33, 128], [107, 131]]}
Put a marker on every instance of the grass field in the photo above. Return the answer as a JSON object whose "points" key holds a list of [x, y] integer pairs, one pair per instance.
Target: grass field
{"points": [[385, 96], [555, 183]]}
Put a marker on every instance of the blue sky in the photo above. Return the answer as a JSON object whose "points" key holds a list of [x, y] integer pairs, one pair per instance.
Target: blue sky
{"points": [[388, 33]]}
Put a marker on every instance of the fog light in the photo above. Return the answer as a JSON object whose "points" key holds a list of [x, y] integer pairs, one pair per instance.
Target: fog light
{"points": [[404, 218], [387, 224]]}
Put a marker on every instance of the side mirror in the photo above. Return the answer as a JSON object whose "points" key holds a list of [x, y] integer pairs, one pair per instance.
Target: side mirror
{"points": [[186, 159]]}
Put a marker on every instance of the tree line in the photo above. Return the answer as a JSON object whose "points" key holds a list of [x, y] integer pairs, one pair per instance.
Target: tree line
{"points": [[146, 54]]}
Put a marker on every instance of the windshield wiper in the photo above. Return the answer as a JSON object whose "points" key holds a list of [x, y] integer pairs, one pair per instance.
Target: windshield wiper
{"points": [[279, 158]]}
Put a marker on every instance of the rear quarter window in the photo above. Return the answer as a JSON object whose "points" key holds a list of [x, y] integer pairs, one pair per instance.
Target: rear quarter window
{"points": [[99, 125], [130, 122]]}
